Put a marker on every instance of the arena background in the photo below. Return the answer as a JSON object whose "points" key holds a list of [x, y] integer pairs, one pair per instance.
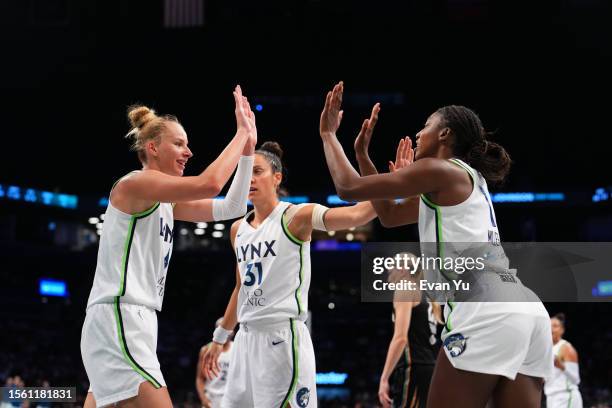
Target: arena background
{"points": [[538, 73]]}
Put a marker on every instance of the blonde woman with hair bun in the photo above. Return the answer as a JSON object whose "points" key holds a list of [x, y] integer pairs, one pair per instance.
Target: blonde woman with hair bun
{"points": [[119, 335]]}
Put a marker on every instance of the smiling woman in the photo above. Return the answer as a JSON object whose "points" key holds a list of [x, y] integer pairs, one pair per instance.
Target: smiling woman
{"points": [[119, 336], [147, 131]]}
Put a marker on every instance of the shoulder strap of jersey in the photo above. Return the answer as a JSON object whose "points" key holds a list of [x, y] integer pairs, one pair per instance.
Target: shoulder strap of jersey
{"points": [[465, 167], [121, 178]]}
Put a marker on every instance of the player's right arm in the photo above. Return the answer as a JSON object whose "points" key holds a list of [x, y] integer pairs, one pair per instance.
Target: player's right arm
{"points": [[403, 311], [210, 365], [152, 185]]}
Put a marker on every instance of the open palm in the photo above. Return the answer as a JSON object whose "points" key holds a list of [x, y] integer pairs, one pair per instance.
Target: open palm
{"points": [[332, 115]]}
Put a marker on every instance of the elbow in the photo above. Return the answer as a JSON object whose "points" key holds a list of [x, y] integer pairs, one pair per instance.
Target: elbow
{"points": [[216, 187], [385, 222], [211, 187], [238, 211], [389, 222], [346, 193], [401, 341]]}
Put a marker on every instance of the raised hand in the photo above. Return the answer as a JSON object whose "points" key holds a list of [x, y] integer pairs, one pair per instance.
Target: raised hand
{"points": [[241, 111], [404, 156], [332, 115], [362, 142], [249, 146], [210, 360]]}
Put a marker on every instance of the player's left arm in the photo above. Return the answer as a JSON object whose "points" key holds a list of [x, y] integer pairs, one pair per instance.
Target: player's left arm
{"points": [[341, 218], [319, 217], [233, 205], [569, 363]]}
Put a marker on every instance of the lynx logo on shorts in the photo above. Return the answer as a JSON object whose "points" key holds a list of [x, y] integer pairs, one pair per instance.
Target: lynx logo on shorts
{"points": [[303, 397], [455, 344]]}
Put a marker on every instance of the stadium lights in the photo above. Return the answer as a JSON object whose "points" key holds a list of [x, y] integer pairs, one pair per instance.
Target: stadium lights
{"points": [[331, 378], [603, 289], [30, 195], [600, 195], [51, 287]]}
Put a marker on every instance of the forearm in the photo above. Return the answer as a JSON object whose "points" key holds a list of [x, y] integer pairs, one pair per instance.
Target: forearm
{"points": [[230, 318], [220, 170], [200, 388], [342, 172], [235, 202], [571, 371], [366, 166], [364, 213], [383, 208], [396, 348]]}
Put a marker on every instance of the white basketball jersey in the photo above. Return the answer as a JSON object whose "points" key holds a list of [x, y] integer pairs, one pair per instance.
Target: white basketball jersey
{"points": [[274, 268], [558, 382], [133, 257], [215, 388], [470, 221]]}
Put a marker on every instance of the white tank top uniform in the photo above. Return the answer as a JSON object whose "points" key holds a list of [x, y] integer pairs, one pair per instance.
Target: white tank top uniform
{"points": [[501, 338], [215, 388], [561, 388], [119, 335], [273, 363]]}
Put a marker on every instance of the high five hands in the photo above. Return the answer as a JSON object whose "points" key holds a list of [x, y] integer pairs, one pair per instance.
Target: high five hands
{"points": [[332, 116], [245, 120], [404, 156]]}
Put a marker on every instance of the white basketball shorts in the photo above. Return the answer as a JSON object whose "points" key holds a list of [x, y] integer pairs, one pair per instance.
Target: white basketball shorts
{"points": [[501, 338], [272, 366], [118, 347]]}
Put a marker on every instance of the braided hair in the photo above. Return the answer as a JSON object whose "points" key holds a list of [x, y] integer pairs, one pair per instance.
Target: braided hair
{"points": [[470, 143]]}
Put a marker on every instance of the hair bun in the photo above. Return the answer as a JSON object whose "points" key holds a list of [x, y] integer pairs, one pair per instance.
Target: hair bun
{"points": [[140, 115], [272, 147], [560, 317]]}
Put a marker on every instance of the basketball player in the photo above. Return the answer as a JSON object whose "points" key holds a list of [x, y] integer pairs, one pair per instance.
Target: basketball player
{"points": [[273, 363], [562, 388], [119, 336], [211, 391], [412, 351], [499, 351]]}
